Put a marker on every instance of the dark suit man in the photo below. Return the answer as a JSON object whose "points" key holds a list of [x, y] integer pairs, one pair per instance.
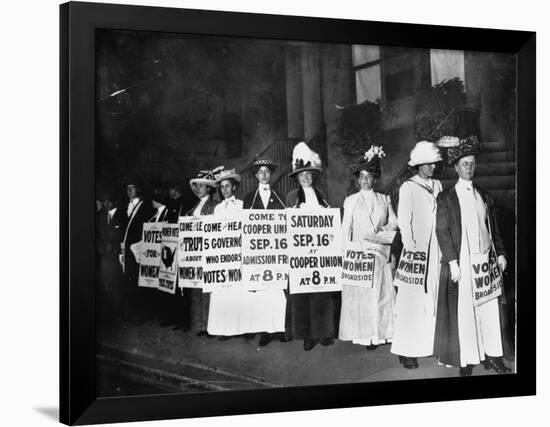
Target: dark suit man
{"points": [[137, 212], [175, 203], [110, 225]]}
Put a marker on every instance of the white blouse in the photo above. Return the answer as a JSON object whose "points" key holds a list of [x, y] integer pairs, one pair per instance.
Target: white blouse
{"points": [[229, 208]]}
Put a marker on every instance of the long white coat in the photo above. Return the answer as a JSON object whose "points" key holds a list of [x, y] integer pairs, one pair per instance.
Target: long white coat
{"points": [[415, 309]]}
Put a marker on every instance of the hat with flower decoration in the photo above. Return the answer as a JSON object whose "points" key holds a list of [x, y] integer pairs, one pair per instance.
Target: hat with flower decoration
{"points": [[370, 161], [459, 148], [221, 173], [203, 177]]}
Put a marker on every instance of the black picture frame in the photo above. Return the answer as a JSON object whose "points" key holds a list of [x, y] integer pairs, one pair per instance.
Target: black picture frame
{"points": [[78, 401]]}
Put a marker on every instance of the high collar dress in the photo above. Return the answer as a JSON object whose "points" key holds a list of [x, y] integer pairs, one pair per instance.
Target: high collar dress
{"points": [[367, 313]]}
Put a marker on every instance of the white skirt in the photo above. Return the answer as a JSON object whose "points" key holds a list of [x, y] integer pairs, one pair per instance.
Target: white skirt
{"points": [[367, 313], [414, 323], [236, 312]]}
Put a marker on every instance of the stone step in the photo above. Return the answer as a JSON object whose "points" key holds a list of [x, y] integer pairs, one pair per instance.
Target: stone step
{"points": [[505, 198], [496, 157], [492, 169], [492, 146], [487, 169]]}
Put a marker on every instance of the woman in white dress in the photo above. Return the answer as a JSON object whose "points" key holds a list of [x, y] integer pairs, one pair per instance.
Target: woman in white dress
{"points": [[367, 313], [415, 306], [229, 313]]}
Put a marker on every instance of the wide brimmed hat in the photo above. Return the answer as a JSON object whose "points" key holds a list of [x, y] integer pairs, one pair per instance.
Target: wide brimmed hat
{"points": [[221, 174], [304, 159], [263, 161], [203, 177], [466, 147], [370, 161], [424, 152]]}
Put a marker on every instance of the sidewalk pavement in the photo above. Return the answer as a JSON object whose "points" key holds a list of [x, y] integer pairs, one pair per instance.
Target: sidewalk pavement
{"points": [[182, 361]]}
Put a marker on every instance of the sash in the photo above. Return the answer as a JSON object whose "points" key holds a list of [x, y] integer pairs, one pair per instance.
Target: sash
{"points": [[486, 276], [412, 269], [487, 280]]}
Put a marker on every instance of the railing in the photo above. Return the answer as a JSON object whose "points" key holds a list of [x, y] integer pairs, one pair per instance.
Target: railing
{"points": [[392, 189], [281, 152], [459, 122]]}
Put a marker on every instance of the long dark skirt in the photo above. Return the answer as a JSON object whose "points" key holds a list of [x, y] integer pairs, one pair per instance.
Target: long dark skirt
{"points": [[446, 344], [200, 304], [313, 316]]}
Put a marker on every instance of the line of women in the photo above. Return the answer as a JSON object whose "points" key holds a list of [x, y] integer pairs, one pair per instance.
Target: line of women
{"points": [[406, 316]]}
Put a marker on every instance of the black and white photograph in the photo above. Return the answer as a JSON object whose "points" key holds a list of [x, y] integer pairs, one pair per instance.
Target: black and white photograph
{"points": [[275, 213]]}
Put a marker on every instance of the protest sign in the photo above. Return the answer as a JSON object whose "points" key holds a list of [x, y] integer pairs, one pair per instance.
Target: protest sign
{"points": [[358, 266], [190, 252], [315, 250], [149, 259], [264, 249], [412, 269], [221, 254], [486, 277], [168, 271]]}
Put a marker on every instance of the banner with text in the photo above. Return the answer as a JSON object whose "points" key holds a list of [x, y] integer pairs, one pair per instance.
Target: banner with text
{"points": [[221, 255], [168, 272], [190, 252], [486, 277], [358, 266], [264, 249], [315, 250], [149, 260], [412, 269]]}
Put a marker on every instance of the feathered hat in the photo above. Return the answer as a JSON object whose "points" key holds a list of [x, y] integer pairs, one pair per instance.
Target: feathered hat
{"points": [[203, 177], [424, 152], [459, 148], [221, 173], [370, 161], [304, 159]]}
